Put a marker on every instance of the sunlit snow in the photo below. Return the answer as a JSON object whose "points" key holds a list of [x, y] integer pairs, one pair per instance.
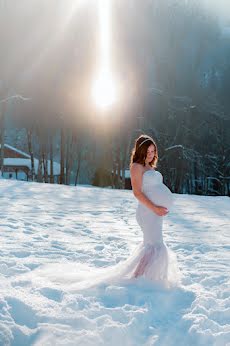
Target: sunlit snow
{"points": [[50, 232]]}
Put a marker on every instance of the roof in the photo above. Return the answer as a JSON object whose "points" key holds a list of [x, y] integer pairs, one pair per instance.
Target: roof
{"points": [[16, 150]]}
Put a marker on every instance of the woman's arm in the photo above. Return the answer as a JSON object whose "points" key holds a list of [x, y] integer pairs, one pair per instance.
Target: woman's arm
{"points": [[136, 172]]}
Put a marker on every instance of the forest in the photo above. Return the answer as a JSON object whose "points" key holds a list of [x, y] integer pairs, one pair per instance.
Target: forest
{"points": [[171, 60]]}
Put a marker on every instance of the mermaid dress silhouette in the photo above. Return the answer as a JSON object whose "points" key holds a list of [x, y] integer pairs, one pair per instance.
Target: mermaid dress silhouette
{"points": [[154, 256]]}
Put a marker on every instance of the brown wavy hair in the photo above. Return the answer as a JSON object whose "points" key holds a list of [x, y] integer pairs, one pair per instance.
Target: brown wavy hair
{"points": [[139, 152]]}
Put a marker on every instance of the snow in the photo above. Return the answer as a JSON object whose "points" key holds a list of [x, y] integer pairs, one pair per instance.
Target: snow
{"points": [[51, 235]]}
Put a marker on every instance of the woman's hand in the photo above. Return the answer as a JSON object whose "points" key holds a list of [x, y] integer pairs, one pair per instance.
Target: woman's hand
{"points": [[160, 211]]}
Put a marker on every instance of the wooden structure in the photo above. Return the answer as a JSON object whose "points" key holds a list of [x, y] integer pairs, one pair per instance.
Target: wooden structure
{"points": [[17, 165]]}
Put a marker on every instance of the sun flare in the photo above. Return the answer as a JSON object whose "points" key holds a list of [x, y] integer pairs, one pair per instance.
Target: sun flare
{"points": [[104, 91]]}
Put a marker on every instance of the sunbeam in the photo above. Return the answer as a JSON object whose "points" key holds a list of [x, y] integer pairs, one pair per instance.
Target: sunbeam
{"points": [[104, 89]]}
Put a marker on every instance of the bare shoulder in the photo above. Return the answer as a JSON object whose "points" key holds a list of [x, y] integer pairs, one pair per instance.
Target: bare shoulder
{"points": [[136, 169]]}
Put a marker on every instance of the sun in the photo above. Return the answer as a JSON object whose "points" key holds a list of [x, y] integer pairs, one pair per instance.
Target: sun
{"points": [[104, 91]]}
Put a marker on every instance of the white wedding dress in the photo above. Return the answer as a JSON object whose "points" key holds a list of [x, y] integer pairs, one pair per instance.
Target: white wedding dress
{"points": [[154, 263]]}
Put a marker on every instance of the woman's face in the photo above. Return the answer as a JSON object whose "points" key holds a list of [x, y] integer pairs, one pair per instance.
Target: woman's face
{"points": [[150, 154]]}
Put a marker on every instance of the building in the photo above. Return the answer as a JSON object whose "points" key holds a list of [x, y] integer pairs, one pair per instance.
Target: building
{"points": [[17, 165]]}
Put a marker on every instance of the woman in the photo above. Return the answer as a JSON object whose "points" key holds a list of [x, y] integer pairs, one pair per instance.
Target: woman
{"points": [[155, 200], [151, 260]]}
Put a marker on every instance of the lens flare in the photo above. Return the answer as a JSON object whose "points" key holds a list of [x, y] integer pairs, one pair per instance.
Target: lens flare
{"points": [[104, 91]]}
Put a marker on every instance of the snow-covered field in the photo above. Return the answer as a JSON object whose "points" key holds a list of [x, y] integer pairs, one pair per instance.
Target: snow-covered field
{"points": [[50, 232]]}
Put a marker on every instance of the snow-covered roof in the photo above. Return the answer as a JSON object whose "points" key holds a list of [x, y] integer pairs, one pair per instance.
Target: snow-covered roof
{"points": [[16, 150], [27, 163]]}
